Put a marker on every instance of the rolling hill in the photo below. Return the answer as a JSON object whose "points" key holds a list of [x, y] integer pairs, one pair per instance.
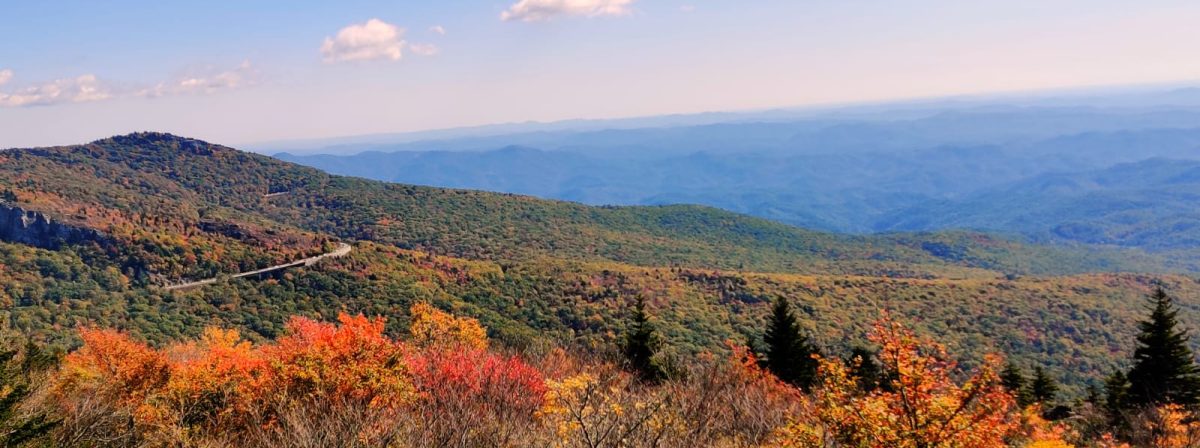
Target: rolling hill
{"points": [[194, 184], [1149, 204]]}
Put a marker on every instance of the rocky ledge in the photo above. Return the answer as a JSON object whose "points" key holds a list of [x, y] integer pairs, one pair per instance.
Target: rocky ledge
{"points": [[18, 225]]}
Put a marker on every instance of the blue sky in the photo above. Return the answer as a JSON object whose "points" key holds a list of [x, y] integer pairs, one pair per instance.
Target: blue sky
{"points": [[246, 71]]}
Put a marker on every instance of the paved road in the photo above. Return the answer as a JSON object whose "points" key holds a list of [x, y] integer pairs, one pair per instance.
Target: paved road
{"points": [[341, 251]]}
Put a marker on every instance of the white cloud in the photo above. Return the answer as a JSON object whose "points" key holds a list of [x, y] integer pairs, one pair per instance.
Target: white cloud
{"points": [[368, 41], [73, 90], [438, 29], [207, 80], [424, 49], [88, 88], [537, 10]]}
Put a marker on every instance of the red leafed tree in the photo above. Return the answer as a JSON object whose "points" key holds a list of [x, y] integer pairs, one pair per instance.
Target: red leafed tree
{"points": [[468, 393]]}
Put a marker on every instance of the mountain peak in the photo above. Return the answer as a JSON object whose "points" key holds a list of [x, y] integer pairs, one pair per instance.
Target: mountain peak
{"points": [[161, 140]]}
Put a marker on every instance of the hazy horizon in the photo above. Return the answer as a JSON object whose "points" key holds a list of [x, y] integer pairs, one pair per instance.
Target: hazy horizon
{"points": [[241, 74]]}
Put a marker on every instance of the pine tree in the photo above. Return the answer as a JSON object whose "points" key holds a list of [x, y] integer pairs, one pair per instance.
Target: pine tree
{"points": [[1164, 370], [1116, 390], [789, 354], [641, 343], [1042, 389], [1092, 395], [864, 367], [1014, 381]]}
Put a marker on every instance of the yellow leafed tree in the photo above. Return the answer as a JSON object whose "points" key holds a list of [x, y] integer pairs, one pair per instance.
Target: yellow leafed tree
{"points": [[434, 327], [921, 406]]}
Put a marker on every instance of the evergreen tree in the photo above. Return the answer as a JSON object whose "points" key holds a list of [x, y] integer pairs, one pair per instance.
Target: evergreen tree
{"points": [[1042, 389], [1116, 389], [1164, 370], [641, 343], [789, 354], [1014, 381], [863, 366], [1092, 396]]}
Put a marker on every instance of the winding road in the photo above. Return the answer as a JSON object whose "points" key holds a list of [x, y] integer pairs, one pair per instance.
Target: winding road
{"points": [[341, 251]]}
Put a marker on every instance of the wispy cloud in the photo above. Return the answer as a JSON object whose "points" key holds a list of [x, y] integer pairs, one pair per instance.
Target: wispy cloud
{"points": [[372, 40], [539, 10], [438, 29], [424, 49], [206, 80], [87, 88], [80, 89]]}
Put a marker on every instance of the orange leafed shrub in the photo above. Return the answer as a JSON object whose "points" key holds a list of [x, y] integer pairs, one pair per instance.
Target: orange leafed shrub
{"points": [[216, 380], [434, 327], [353, 361], [1037, 432], [104, 387], [113, 365]]}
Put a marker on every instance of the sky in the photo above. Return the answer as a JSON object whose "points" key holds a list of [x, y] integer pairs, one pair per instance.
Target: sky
{"points": [[241, 72]]}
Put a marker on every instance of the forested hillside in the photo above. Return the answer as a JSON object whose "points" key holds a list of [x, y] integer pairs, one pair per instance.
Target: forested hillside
{"points": [[174, 209], [195, 184]]}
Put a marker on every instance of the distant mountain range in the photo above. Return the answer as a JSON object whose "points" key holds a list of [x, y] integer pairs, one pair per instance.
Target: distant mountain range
{"points": [[1120, 177], [194, 188]]}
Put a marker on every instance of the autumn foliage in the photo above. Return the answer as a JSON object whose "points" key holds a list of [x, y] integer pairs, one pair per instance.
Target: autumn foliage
{"points": [[352, 361], [920, 407], [442, 382], [433, 327], [473, 394], [350, 384]]}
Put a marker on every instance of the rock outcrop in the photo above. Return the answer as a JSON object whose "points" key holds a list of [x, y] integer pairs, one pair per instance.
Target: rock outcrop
{"points": [[18, 225]]}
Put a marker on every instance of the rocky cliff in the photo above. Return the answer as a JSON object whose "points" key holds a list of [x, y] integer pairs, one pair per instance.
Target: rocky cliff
{"points": [[18, 225]]}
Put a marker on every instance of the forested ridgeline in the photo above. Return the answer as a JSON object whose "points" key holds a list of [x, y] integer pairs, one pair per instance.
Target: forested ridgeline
{"points": [[159, 183]]}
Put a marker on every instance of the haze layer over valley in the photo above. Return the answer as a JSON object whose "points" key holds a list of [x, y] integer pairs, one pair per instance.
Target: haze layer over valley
{"points": [[1118, 169]]}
